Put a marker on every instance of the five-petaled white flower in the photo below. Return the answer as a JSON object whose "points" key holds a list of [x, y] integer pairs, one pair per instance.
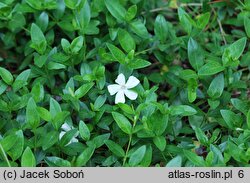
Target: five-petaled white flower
{"points": [[122, 88]]}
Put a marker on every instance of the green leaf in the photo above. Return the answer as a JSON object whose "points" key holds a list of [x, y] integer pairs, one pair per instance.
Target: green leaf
{"points": [[131, 13], [83, 90], [68, 136], [38, 92], [248, 119], [192, 90], [137, 156], [175, 162], [122, 122], [216, 87], [72, 4], [139, 28], [16, 151], [43, 21], [76, 45], [138, 64], [195, 54], [44, 114], [32, 116], [230, 118], [160, 142], [38, 39], [116, 53], [6, 76], [200, 135], [85, 156], [54, 107], [194, 158], [83, 16], [247, 26], [28, 159], [100, 101], [158, 123], [126, 41], [211, 68], [188, 74], [236, 49], [54, 161], [203, 20], [147, 159], [182, 110], [8, 142], [99, 140], [21, 80], [84, 131], [115, 148], [161, 28], [50, 139], [116, 9]]}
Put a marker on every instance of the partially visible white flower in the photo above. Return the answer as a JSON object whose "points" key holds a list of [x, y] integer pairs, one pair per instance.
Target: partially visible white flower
{"points": [[122, 88], [65, 127]]}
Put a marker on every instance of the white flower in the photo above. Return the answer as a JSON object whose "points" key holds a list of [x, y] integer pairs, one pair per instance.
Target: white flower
{"points": [[122, 88], [65, 127]]}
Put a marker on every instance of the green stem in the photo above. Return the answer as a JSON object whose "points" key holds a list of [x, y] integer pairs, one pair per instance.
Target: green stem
{"points": [[128, 147], [4, 155], [129, 142]]}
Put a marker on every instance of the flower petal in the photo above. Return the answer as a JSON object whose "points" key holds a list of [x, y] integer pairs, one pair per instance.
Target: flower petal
{"points": [[131, 94], [132, 82], [120, 79], [66, 127], [113, 89], [120, 98]]}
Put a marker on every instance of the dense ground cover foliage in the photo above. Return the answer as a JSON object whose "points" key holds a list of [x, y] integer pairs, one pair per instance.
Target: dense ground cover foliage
{"points": [[124, 83]]}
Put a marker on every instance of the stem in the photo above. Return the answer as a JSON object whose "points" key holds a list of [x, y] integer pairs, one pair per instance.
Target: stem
{"points": [[128, 147], [4, 155], [129, 142]]}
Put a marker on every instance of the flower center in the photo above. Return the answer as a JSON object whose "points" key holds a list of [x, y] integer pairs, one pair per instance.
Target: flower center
{"points": [[123, 87]]}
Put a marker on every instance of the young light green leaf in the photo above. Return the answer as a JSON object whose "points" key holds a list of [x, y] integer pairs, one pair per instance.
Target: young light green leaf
{"points": [[212, 67], [6, 76], [83, 90], [138, 64], [131, 13], [116, 53], [28, 159], [139, 28], [72, 4], [122, 122], [84, 131], [76, 45], [126, 40], [38, 39], [216, 87]]}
